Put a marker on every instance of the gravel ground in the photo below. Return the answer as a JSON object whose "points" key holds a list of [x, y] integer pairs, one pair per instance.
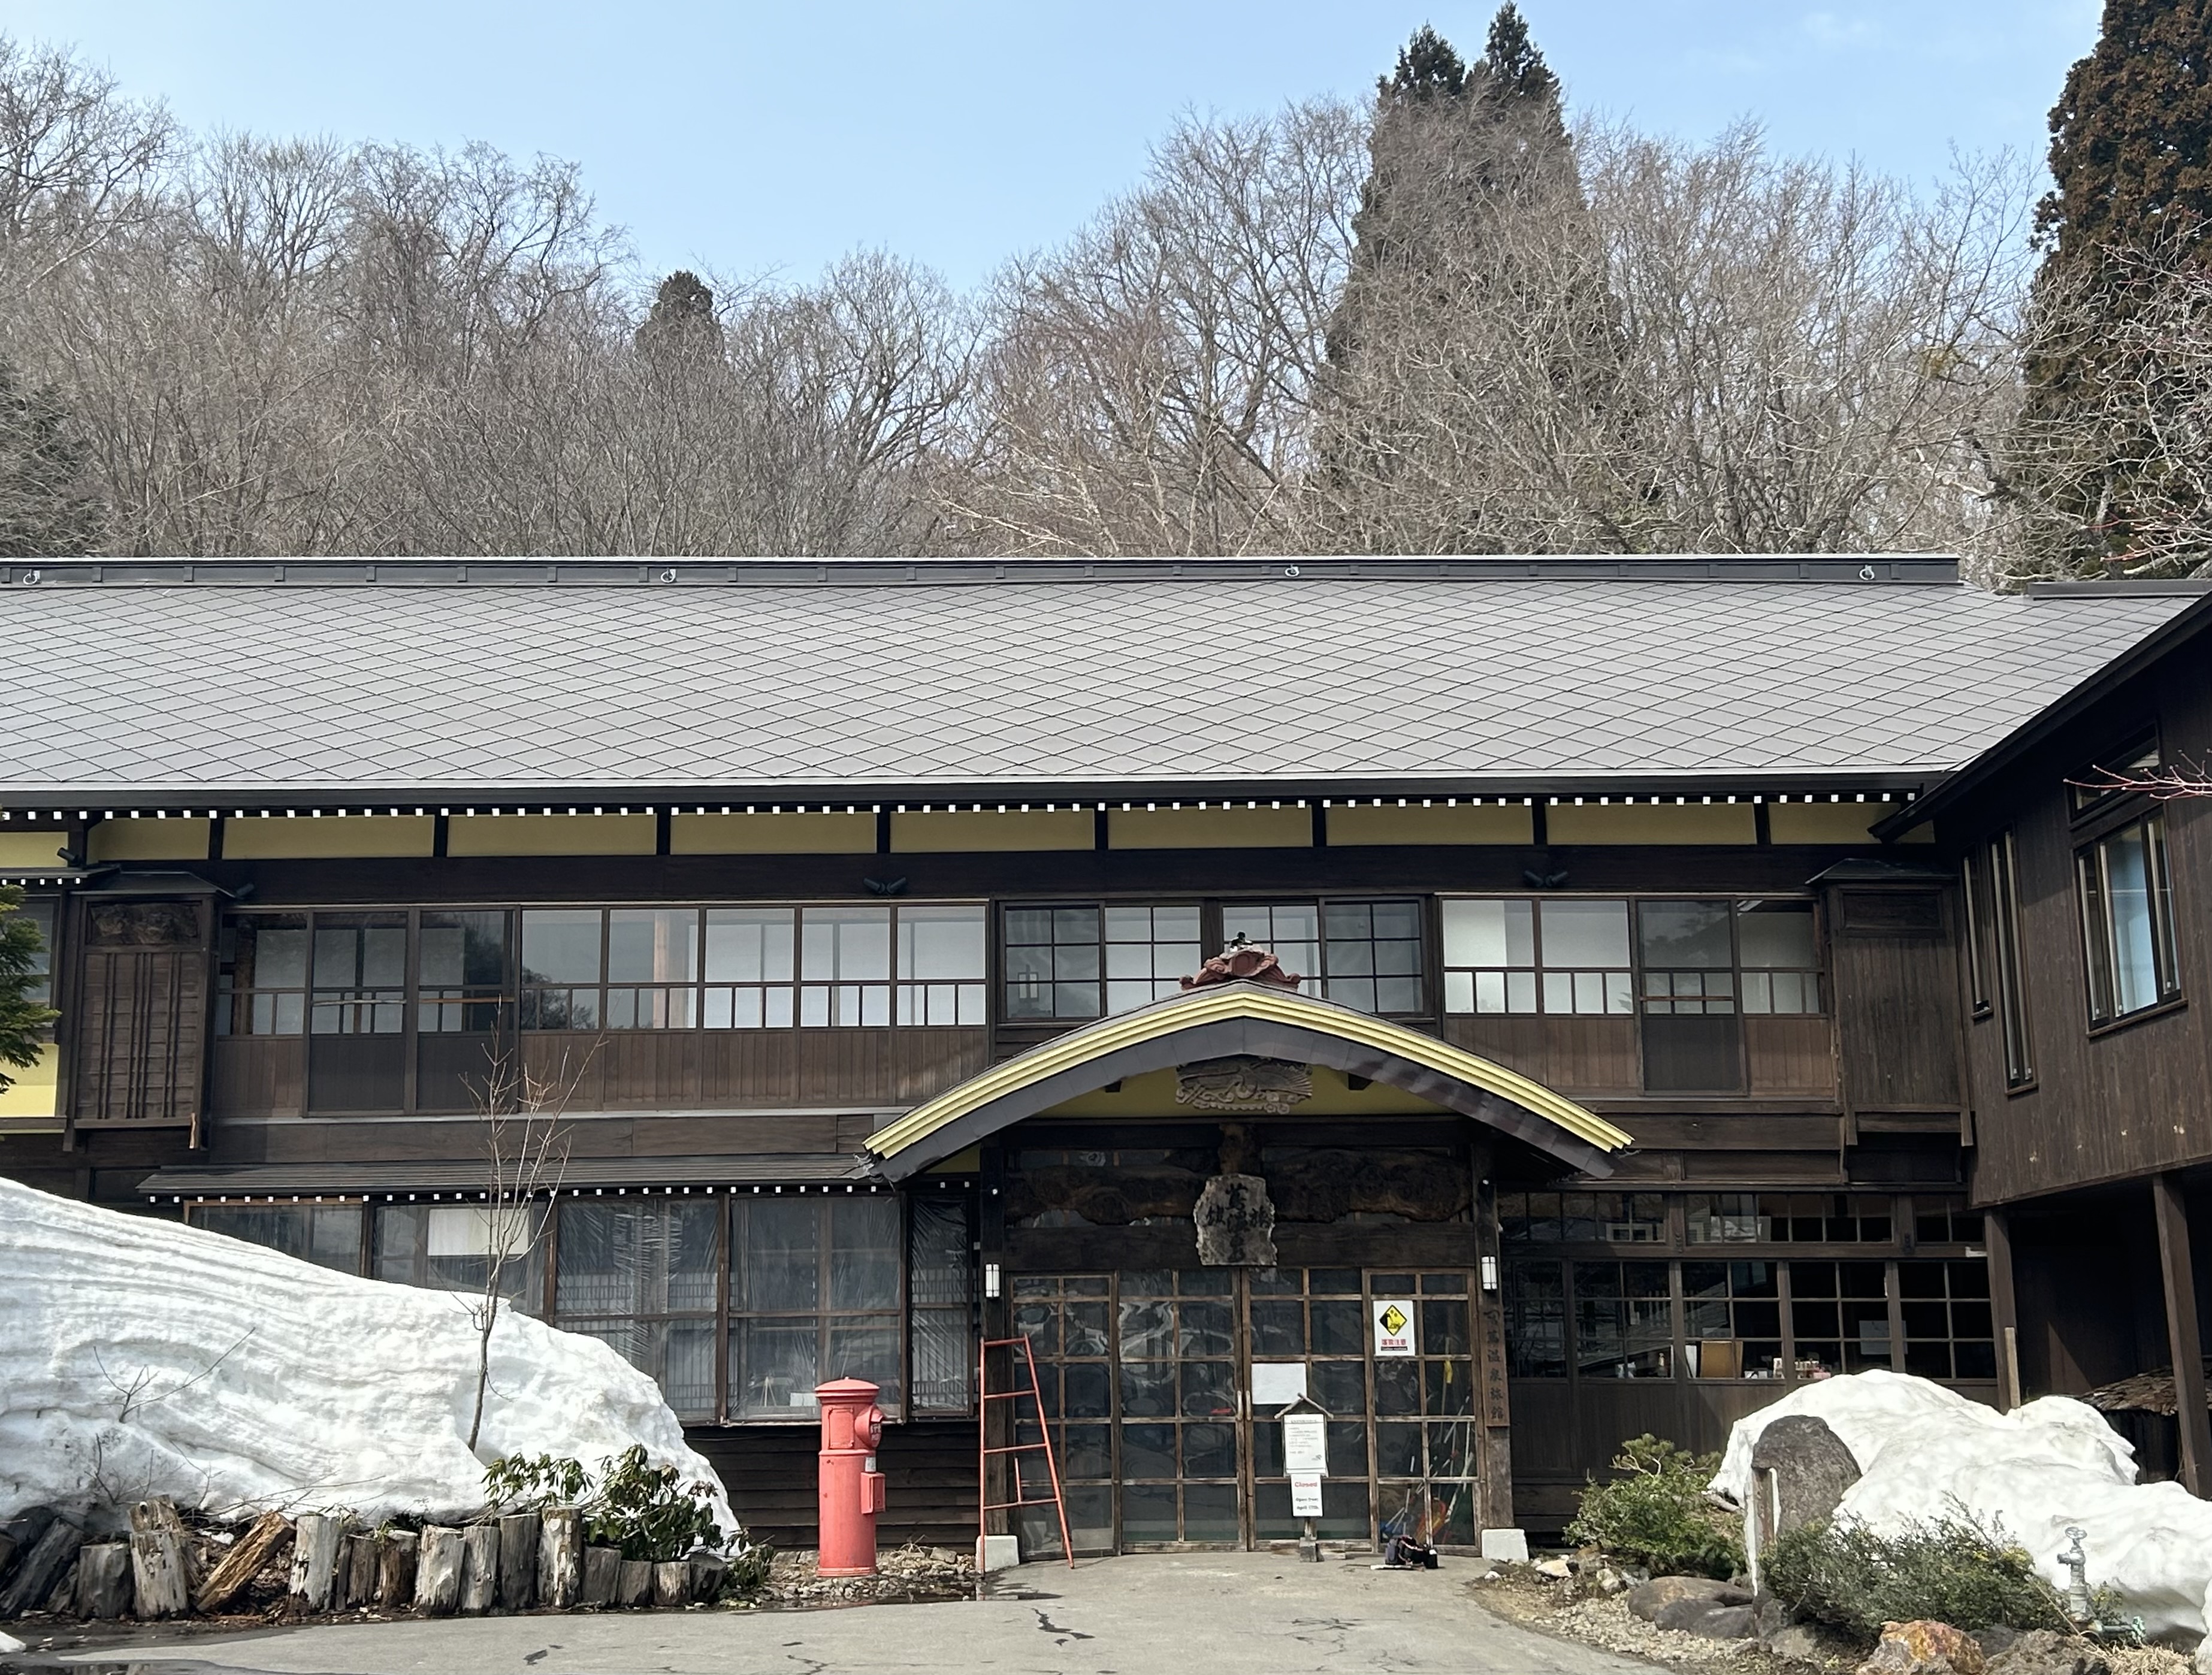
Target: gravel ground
{"points": [[911, 1574], [1604, 1621]]}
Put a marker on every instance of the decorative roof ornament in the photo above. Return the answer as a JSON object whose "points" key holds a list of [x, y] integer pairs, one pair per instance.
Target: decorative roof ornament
{"points": [[1243, 961]]}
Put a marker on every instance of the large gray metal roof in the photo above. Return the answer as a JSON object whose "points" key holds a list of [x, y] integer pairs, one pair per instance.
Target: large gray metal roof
{"points": [[181, 684]]}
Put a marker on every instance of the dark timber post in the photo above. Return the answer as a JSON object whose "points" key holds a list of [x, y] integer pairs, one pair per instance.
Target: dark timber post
{"points": [[2180, 1274], [1494, 1413], [2004, 1309]]}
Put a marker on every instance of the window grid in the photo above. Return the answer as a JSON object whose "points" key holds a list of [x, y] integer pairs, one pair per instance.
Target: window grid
{"points": [[2001, 859], [2127, 921]]}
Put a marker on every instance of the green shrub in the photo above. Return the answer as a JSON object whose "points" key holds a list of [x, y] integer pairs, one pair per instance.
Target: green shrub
{"points": [[1657, 1512], [645, 1510], [1947, 1568]]}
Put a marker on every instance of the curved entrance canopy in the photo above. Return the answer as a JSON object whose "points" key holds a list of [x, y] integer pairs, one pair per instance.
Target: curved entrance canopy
{"points": [[1263, 1020]]}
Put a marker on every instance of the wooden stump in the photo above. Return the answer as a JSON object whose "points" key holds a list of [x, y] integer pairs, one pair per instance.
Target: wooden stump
{"points": [[672, 1582], [395, 1569], [158, 1574], [103, 1579], [357, 1572], [518, 1561], [602, 1576], [52, 1554], [438, 1562], [480, 1569], [317, 1541], [635, 1586], [710, 1573], [560, 1556], [243, 1562]]}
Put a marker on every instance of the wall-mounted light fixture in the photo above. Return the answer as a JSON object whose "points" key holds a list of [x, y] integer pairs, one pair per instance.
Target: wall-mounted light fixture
{"points": [[990, 1279], [1489, 1273]]}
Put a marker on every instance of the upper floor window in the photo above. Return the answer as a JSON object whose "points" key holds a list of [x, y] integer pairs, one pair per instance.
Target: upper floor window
{"points": [[38, 991], [1993, 919], [1070, 962], [2127, 921], [1561, 954], [2107, 778], [594, 968]]}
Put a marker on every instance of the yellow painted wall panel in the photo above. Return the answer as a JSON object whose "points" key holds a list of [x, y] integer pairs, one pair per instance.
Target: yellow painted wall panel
{"points": [[1825, 822], [835, 832], [34, 1092], [1487, 823], [22, 850], [1264, 828], [302, 837], [1651, 822], [945, 831], [149, 839], [552, 834]]}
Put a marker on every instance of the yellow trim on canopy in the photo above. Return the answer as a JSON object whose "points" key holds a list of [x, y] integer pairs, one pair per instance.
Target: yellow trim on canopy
{"points": [[1220, 1005]]}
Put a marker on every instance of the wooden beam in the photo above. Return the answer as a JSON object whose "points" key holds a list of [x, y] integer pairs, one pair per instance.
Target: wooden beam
{"points": [[1493, 1409], [2180, 1276], [2004, 1308]]}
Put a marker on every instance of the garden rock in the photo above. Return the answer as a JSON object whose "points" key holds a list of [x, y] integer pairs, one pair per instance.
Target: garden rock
{"points": [[2041, 1652], [1557, 1569], [1924, 1648], [1800, 1469], [1710, 1621], [1800, 1642], [1647, 1600]]}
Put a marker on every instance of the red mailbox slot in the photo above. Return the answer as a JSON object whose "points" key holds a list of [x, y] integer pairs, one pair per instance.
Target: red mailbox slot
{"points": [[851, 1489]]}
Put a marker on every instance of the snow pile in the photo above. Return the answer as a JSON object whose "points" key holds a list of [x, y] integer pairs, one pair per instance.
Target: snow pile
{"points": [[1927, 1451], [142, 1357]]}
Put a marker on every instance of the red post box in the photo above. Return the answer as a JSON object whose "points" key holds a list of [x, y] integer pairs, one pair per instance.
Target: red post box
{"points": [[852, 1489]]}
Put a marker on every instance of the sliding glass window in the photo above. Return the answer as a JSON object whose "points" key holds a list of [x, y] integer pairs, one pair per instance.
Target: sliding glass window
{"points": [[2127, 921]]}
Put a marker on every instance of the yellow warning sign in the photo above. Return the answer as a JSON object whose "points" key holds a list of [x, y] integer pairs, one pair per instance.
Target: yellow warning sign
{"points": [[1394, 1327]]}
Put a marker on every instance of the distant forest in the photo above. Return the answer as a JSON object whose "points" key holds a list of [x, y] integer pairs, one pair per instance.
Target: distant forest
{"points": [[1452, 318]]}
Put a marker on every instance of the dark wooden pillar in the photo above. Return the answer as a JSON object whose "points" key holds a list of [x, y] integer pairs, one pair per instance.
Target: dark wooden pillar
{"points": [[2004, 1309], [2180, 1274], [1493, 1409]]}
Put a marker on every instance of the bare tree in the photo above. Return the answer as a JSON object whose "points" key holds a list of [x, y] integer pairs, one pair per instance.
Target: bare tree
{"points": [[1149, 388], [526, 1156], [2118, 481]]}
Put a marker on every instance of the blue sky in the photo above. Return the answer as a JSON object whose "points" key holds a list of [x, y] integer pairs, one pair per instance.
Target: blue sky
{"points": [[752, 138]]}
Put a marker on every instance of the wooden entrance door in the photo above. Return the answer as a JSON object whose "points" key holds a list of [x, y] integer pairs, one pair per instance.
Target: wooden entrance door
{"points": [[1148, 1379]]}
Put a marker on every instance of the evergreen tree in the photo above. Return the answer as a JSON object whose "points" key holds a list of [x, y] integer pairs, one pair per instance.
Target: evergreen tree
{"points": [[2131, 135], [682, 328], [2131, 158], [24, 1021], [1456, 147], [46, 509]]}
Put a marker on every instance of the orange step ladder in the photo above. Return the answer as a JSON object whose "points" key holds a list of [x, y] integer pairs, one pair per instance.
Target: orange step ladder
{"points": [[1014, 1450]]}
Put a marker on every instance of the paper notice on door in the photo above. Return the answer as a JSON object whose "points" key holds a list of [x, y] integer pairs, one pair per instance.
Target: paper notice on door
{"points": [[1305, 1495], [1278, 1383]]}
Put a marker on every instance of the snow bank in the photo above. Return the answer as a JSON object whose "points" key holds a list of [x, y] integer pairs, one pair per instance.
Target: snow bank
{"points": [[1927, 1451], [141, 1357]]}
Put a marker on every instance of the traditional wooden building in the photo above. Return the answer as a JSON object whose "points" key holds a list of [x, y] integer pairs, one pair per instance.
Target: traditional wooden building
{"points": [[836, 917], [2083, 869]]}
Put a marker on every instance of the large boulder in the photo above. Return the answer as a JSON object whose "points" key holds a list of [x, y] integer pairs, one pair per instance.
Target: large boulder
{"points": [[1800, 1469], [1923, 1647], [1647, 1600], [2041, 1652]]}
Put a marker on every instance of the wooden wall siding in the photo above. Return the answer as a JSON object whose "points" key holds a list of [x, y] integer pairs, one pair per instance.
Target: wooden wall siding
{"points": [[1574, 1054], [258, 1076], [2135, 1097], [654, 1069], [138, 1015], [1791, 1057], [1895, 967], [770, 1473], [371, 1140]]}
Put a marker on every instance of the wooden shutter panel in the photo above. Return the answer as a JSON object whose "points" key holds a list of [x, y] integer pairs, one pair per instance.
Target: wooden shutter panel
{"points": [[138, 1027]]}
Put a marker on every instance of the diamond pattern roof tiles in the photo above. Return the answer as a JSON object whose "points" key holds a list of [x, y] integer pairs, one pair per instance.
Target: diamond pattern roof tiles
{"points": [[231, 691]]}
